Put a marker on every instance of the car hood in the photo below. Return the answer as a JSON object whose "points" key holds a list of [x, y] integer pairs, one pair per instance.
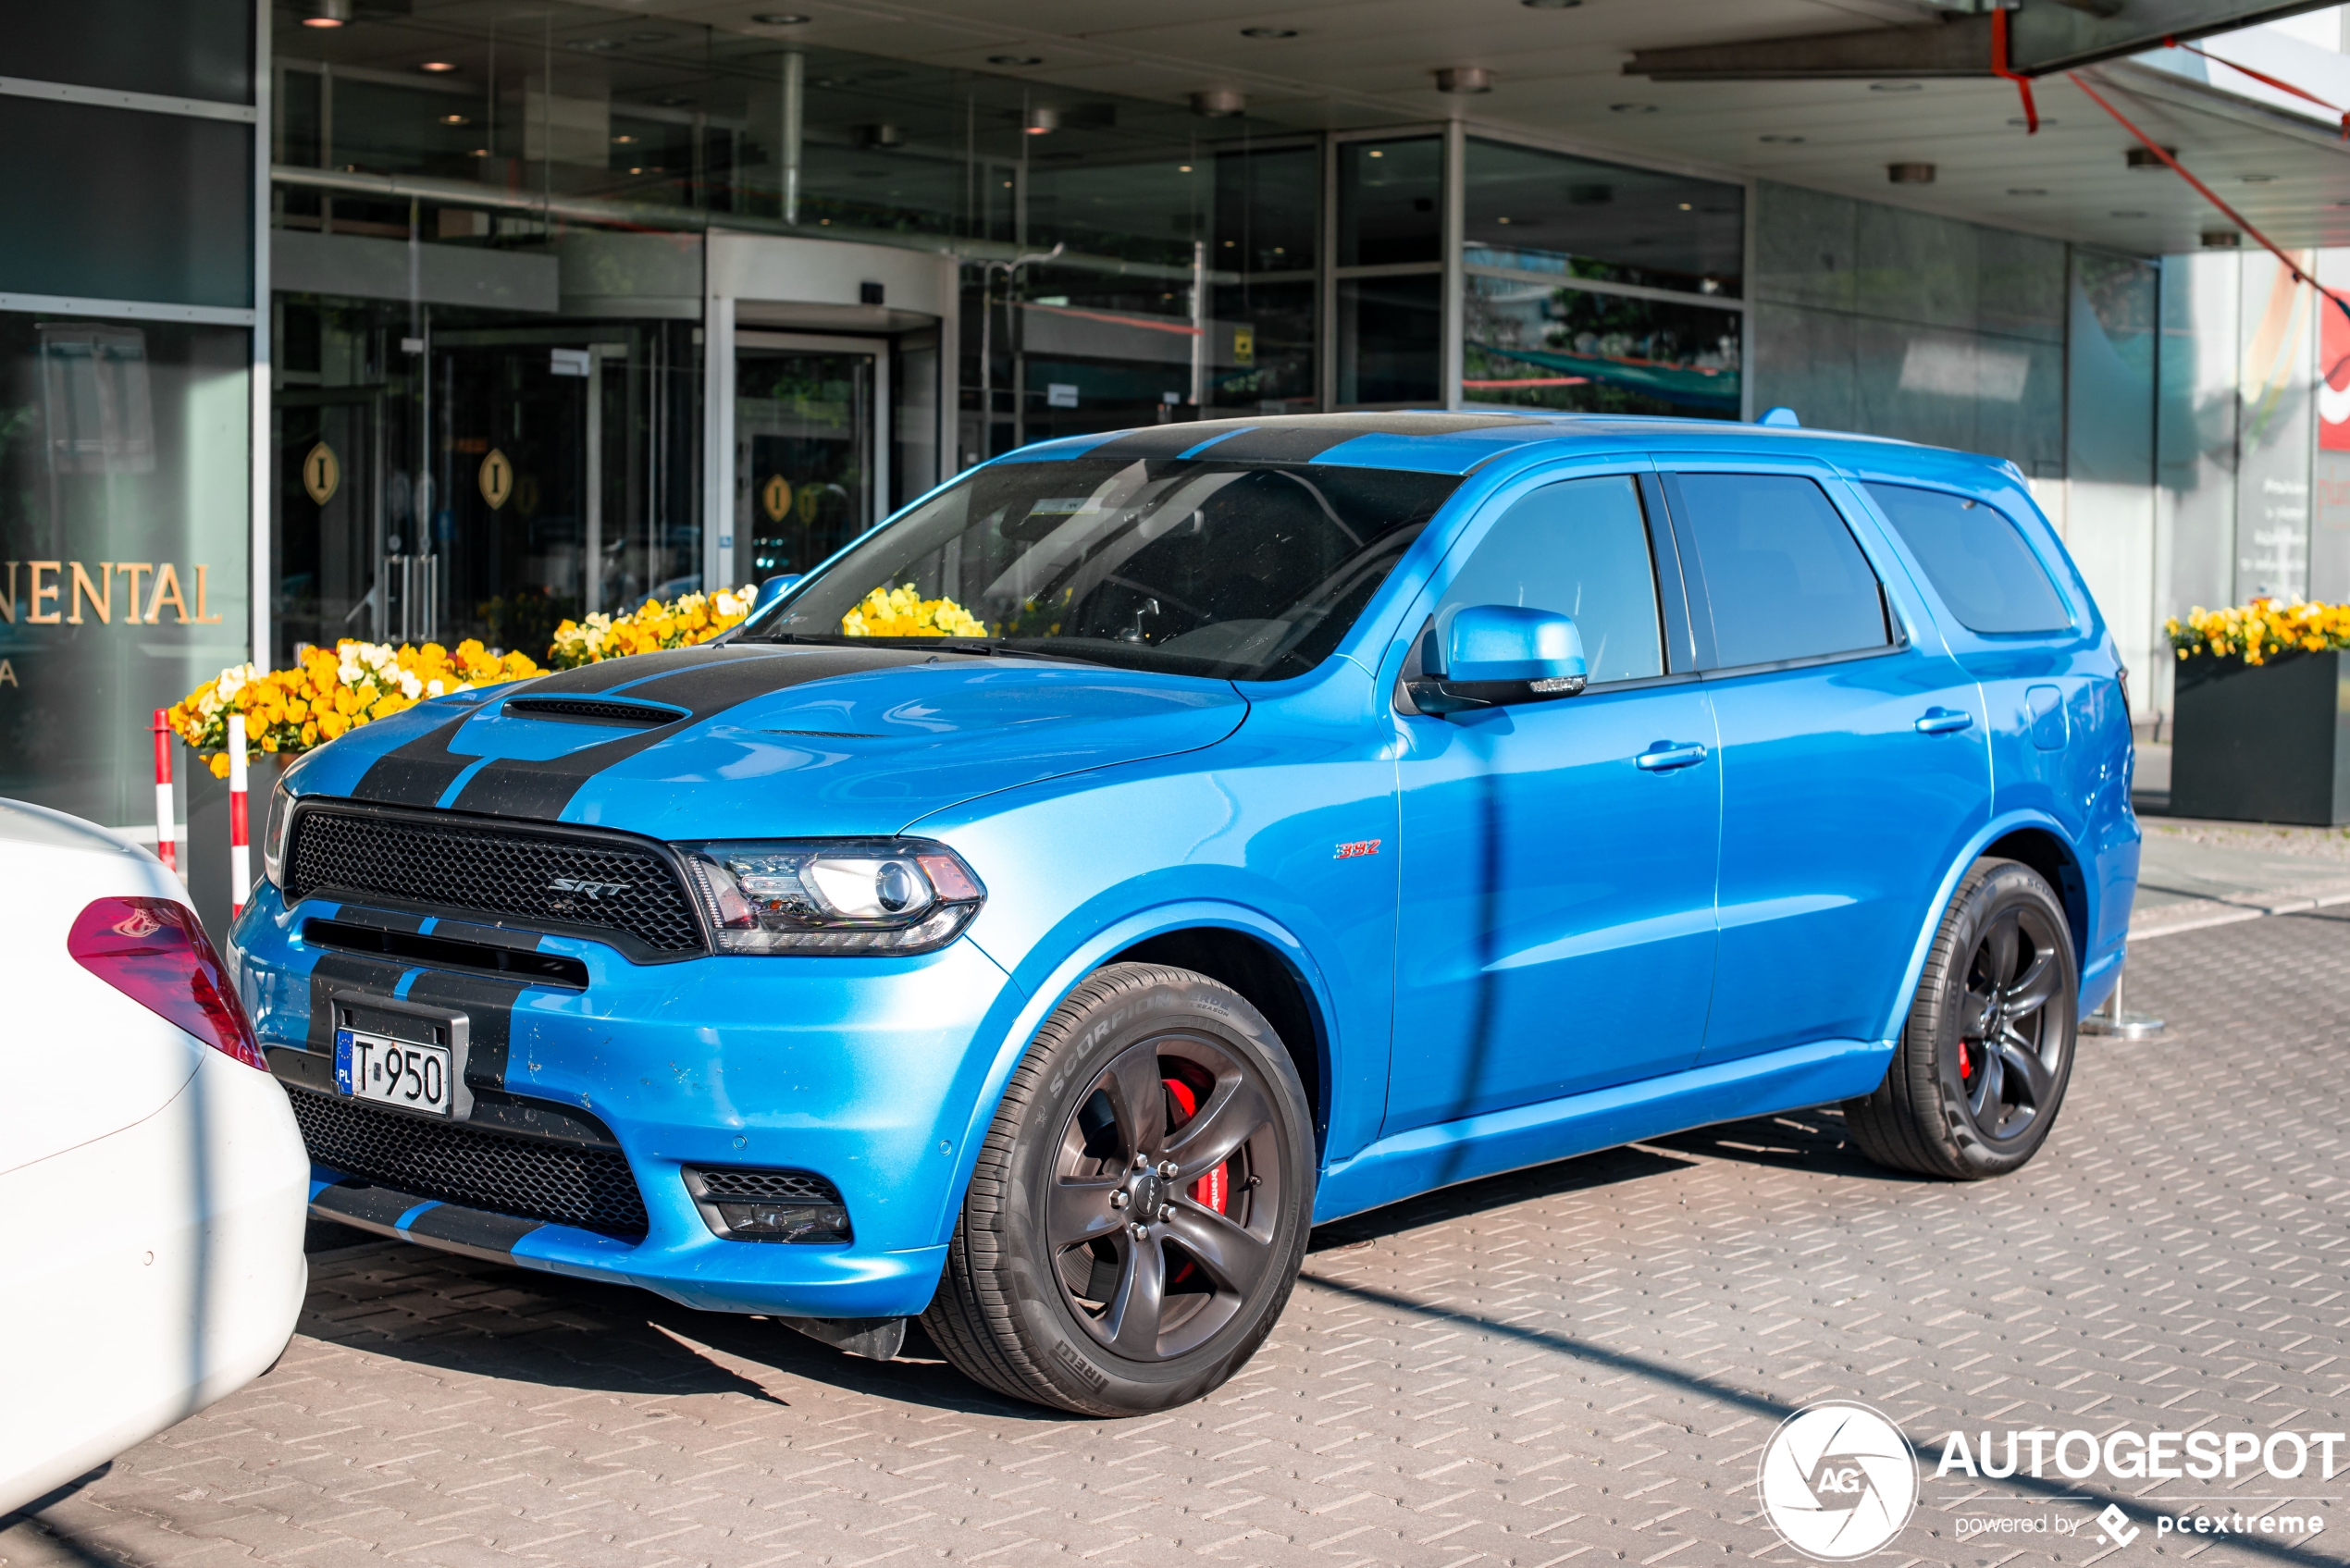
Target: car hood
{"points": [[771, 740]]}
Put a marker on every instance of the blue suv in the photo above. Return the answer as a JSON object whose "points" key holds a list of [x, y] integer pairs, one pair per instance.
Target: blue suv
{"points": [[1150, 844]]}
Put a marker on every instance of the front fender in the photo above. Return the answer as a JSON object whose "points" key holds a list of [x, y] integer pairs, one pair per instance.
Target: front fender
{"points": [[1081, 956]]}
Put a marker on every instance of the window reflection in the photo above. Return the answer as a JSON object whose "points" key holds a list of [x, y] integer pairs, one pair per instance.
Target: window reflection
{"points": [[1530, 346], [1534, 211]]}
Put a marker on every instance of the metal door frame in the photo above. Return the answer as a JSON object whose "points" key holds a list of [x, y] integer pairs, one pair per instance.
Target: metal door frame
{"points": [[812, 343]]}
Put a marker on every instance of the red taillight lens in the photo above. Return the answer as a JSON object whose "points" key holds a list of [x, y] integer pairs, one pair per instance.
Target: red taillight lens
{"points": [[154, 952]]}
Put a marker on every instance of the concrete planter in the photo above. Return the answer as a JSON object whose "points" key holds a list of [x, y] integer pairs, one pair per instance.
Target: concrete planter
{"points": [[205, 870], [2263, 743]]}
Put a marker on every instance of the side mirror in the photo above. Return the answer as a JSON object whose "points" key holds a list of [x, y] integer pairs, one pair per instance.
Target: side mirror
{"points": [[774, 589], [1493, 655]]}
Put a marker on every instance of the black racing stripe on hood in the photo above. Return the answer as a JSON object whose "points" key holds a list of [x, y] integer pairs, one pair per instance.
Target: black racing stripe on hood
{"points": [[715, 680], [418, 772]]}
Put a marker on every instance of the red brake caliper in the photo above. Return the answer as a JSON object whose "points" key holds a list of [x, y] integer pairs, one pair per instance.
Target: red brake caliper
{"points": [[1214, 1190], [1966, 1067]]}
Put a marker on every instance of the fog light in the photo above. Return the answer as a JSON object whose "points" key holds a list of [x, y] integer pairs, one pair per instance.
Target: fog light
{"points": [[784, 1222], [757, 1205]]}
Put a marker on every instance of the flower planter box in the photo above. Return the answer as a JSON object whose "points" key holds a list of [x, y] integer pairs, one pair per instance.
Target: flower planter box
{"points": [[2263, 743]]}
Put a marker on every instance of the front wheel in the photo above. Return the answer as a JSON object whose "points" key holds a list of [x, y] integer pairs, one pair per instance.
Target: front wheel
{"points": [[1138, 1209], [1987, 1051]]}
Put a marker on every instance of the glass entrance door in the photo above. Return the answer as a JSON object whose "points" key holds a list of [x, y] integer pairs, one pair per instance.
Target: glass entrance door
{"points": [[330, 493], [509, 526], [810, 417]]}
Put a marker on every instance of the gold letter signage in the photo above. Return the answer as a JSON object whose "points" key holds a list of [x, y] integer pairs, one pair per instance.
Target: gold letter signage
{"points": [[497, 478], [321, 473]]}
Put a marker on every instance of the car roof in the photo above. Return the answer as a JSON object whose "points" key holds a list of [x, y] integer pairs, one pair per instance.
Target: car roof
{"points": [[1432, 442]]}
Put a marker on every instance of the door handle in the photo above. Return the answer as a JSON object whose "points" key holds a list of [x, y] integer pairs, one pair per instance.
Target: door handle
{"points": [[1665, 756], [1942, 721]]}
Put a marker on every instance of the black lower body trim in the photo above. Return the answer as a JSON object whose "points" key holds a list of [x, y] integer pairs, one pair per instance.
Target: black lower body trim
{"points": [[477, 1233]]}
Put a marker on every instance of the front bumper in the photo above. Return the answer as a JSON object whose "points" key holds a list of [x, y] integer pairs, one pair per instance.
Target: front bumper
{"points": [[862, 1070]]}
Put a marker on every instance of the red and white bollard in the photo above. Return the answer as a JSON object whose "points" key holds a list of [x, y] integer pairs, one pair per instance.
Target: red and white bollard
{"points": [[166, 850], [240, 852]]}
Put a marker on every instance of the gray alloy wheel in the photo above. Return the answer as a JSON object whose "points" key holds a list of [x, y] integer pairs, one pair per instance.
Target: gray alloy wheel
{"points": [[1983, 1062], [1140, 1207]]}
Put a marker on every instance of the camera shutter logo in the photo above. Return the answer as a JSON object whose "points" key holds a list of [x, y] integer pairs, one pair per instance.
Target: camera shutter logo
{"points": [[1837, 1481]]}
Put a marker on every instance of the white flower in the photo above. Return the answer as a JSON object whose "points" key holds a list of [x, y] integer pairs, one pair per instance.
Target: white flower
{"points": [[434, 688], [410, 687]]}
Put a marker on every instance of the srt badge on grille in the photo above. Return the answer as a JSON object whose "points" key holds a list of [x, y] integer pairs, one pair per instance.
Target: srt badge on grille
{"points": [[581, 884]]}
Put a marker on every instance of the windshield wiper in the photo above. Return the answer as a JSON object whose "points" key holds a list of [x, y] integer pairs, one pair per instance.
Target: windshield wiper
{"points": [[990, 647]]}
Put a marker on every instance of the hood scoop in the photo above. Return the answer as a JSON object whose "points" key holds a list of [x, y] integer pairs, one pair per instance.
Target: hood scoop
{"points": [[594, 710]]}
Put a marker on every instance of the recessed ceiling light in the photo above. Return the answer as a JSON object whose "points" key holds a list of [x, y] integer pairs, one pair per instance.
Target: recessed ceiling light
{"points": [[1268, 33], [1042, 120], [1014, 60], [1897, 86], [1501, 220], [438, 67], [455, 120], [1182, 169], [621, 141], [2025, 191], [1376, 154], [328, 12], [1631, 108], [778, 18]]}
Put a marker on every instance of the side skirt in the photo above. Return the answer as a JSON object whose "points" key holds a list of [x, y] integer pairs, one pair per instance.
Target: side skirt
{"points": [[1423, 1158]]}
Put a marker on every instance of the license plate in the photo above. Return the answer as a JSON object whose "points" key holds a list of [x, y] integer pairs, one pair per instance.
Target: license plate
{"points": [[392, 1072]]}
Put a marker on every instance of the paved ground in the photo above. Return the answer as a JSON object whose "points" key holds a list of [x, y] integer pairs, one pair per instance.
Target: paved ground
{"points": [[1576, 1364], [2198, 873]]}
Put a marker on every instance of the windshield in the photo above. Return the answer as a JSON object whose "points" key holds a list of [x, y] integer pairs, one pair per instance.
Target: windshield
{"points": [[1245, 571]]}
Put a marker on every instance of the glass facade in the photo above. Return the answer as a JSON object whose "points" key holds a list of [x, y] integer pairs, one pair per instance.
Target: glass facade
{"points": [[123, 564], [1589, 286]]}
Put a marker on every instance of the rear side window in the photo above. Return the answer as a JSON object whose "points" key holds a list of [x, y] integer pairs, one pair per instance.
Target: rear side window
{"points": [[1581, 549], [1976, 559], [1783, 577]]}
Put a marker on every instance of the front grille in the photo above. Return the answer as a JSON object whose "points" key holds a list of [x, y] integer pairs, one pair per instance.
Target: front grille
{"points": [[564, 1183], [448, 863], [767, 1186]]}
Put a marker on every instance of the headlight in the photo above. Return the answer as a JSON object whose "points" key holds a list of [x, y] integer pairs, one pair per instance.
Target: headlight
{"points": [[273, 834], [834, 896]]}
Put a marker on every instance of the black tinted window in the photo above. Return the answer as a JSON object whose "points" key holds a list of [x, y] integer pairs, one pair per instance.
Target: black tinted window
{"points": [[1247, 571], [1581, 549], [1976, 559], [1782, 574]]}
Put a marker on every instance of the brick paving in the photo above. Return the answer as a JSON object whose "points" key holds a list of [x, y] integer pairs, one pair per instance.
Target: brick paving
{"points": [[1578, 1363]]}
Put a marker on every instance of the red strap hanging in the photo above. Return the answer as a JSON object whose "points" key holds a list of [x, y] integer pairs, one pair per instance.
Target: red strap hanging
{"points": [[2000, 68], [2209, 194], [2264, 77]]}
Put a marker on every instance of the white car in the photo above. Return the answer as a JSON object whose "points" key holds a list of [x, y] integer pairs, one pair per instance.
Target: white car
{"points": [[153, 1184]]}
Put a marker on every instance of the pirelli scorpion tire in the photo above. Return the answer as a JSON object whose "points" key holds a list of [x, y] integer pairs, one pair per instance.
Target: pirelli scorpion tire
{"points": [[1987, 1051], [1139, 1211]]}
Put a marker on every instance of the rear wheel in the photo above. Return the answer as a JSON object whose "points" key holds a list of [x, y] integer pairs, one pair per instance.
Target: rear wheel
{"points": [[1139, 1210], [1984, 1060]]}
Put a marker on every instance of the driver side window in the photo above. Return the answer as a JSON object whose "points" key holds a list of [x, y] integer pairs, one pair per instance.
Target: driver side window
{"points": [[1579, 547]]}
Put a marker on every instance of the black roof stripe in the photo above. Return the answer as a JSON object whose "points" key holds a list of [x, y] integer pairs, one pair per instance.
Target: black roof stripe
{"points": [[1290, 437]]}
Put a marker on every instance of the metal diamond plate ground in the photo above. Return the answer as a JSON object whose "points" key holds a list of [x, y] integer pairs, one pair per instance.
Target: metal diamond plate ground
{"points": [[1578, 1363]]}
